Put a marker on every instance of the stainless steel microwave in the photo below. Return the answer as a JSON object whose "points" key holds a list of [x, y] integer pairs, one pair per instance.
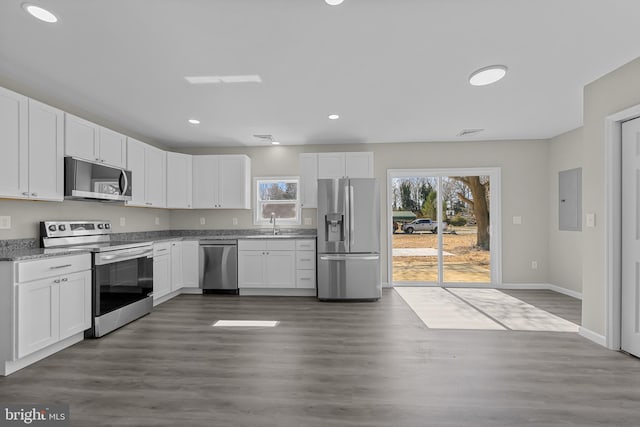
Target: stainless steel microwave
{"points": [[84, 180]]}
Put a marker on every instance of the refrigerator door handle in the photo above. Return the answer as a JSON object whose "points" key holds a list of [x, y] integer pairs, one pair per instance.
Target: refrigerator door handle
{"points": [[349, 257], [348, 231], [351, 219]]}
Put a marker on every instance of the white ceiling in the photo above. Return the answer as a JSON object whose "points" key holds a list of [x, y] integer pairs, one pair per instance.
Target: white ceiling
{"points": [[395, 70]]}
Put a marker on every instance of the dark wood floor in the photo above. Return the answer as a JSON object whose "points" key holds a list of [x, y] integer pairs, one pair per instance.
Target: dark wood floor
{"points": [[328, 364]]}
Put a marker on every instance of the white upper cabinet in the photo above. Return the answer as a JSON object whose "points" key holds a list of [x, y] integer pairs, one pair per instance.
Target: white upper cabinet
{"points": [[179, 181], [359, 165], [32, 141], [222, 182], [148, 167], [331, 165], [309, 180], [46, 152], [89, 141], [314, 166]]}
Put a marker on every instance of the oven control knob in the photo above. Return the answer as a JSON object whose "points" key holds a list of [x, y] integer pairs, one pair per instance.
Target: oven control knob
{"points": [[100, 226], [52, 227], [62, 227], [107, 226]]}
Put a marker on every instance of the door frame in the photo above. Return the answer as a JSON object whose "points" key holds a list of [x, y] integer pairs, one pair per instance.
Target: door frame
{"points": [[613, 223], [495, 219]]}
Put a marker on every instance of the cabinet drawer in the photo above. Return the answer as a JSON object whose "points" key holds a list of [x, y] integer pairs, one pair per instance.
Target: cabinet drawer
{"points": [[305, 260], [281, 245], [252, 245], [305, 245], [306, 279], [27, 271], [162, 248]]}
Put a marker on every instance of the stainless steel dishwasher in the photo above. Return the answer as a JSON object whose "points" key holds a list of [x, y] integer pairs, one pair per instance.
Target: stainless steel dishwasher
{"points": [[219, 266]]}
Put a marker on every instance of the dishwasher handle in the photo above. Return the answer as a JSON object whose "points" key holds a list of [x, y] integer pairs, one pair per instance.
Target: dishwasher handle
{"points": [[218, 243]]}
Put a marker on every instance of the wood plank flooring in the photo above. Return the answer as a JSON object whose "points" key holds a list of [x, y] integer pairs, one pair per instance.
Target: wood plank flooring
{"points": [[328, 364]]}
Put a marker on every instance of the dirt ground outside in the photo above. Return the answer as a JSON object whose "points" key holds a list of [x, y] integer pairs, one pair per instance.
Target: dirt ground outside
{"points": [[466, 264]]}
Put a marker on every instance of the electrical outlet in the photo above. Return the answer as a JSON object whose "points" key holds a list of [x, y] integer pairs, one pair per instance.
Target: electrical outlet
{"points": [[235, 221], [591, 220], [157, 220], [307, 221], [534, 265], [202, 221], [123, 221], [5, 222]]}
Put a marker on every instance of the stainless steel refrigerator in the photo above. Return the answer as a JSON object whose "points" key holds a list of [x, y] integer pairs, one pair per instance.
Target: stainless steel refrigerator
{"points": [[349, 239]]}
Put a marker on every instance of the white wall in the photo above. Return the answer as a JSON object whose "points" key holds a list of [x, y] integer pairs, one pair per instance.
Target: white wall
{"points": [[26, 216], [565, 247], [524, 189], [608, 95]]}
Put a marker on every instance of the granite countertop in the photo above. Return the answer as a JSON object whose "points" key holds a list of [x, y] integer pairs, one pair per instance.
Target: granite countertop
{"points": [[25, 254], [26, 249]]}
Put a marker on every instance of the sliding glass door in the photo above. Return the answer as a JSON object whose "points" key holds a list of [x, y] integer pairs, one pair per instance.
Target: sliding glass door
{"points": [[444, 227]]}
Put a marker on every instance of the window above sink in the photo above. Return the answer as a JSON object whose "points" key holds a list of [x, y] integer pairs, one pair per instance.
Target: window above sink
{"points": [[279, 197]]}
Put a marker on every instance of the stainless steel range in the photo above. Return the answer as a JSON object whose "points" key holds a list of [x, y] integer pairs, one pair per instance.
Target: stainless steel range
{"points": [[122, 287]]}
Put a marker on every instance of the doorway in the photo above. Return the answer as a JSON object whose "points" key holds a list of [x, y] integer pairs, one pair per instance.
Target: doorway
{"points": [[444, 227]]}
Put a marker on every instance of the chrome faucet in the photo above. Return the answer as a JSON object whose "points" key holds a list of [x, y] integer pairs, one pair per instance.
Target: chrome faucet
{"points": [[273, 220]]}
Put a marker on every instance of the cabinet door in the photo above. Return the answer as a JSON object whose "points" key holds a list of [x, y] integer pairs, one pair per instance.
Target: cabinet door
{"points": [[14, 162], [161, 276], [155, 177], [136, 164], [38, 314], [235, 182], [331, 165], [205, 182], [309, 180], [251, 269], [176, 266], [112, 148], [46, 152], [280, 268], [359, 165], [190, 264], [179, 179], [75, 303], [80, 138]]}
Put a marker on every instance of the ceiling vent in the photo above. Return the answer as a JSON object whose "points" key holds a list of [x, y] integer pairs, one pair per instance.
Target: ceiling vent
{"points": [[197, 80], [467, 132], [263, 138]]}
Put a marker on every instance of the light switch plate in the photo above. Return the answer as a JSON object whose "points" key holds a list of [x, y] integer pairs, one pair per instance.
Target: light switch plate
{"points": [[307, 221], [157, 220], [517, 220], [123, 221], [202, 221], [235, 221], [5, 222]]}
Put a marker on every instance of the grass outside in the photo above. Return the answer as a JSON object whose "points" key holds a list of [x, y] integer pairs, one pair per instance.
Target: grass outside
{"points": [[467, 264]]}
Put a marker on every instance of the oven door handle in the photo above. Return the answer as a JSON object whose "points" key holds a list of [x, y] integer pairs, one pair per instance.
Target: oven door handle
{"points": [[111, 258]]}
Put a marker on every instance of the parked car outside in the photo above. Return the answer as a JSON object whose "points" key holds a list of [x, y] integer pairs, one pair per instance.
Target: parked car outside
{"points": [[423, 224]]}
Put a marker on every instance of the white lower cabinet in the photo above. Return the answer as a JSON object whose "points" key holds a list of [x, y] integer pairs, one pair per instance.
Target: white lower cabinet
{"points": [[161, 270], [276, 264], [52, 308], [190, 264]]}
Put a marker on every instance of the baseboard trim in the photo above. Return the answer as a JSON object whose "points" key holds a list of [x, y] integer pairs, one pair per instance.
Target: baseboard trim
{"points": [[592, 336], [547, 286]]}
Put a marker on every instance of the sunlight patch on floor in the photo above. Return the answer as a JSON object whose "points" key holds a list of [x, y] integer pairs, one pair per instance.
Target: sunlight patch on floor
{"points": [[489, 309], [438, 309]]}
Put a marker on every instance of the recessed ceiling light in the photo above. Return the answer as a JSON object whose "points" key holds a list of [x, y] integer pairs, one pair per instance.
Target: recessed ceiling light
{"points": [[334, 116], [40, 13], [199, 80], [275, 142], [333, 2], [194, 121], [487, 75]]}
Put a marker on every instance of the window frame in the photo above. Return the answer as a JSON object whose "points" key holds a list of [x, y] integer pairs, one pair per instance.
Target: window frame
{"points": [[257, 220]]}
